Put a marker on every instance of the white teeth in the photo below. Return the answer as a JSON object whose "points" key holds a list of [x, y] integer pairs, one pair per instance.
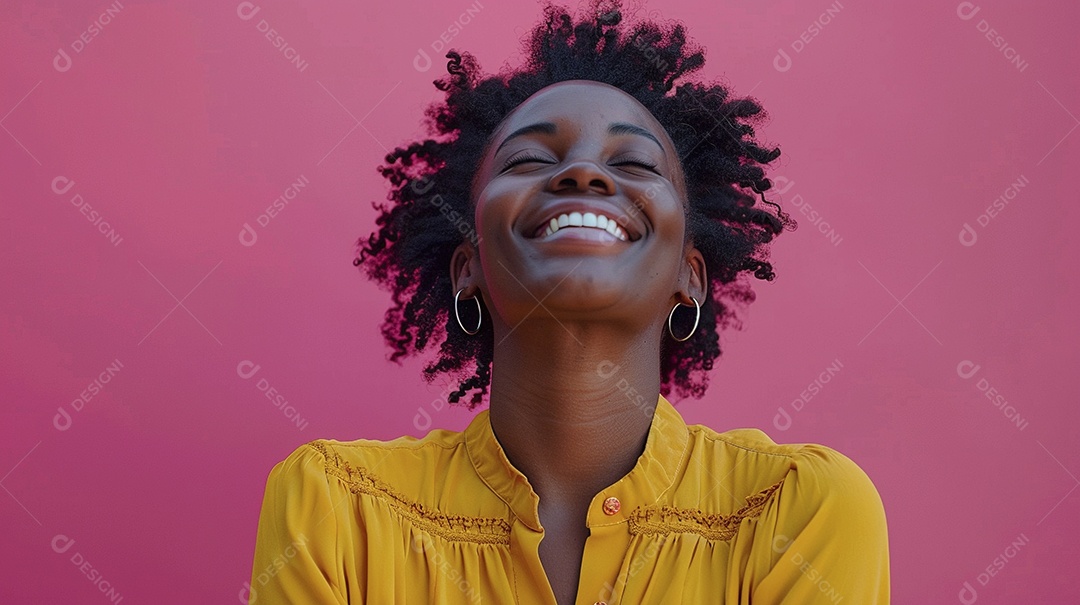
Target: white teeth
{"points": [[587, 219]]}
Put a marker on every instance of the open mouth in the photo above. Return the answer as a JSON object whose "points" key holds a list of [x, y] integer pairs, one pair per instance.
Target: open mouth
{"points": [[593, 224], [586, 220]]}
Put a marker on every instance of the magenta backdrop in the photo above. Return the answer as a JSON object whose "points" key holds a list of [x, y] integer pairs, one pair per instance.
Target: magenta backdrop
{"points": [[140, 139]]}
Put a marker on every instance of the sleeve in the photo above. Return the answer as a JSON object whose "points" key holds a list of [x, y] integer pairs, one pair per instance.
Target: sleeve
{"points": [[829, 542], [296, 558]]}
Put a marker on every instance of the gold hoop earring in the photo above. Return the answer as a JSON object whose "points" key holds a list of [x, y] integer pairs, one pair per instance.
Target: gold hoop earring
{"points": [[697, 316], [479, 310]]}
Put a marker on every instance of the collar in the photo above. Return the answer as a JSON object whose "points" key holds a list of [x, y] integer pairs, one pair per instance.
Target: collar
{"points": [[651, 477]]}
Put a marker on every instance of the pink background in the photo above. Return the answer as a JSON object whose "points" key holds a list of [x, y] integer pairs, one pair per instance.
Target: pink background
{"points": [[179, 122]]}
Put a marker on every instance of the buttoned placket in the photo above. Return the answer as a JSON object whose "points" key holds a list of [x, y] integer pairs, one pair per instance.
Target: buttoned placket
{"points": [[609, 538]]}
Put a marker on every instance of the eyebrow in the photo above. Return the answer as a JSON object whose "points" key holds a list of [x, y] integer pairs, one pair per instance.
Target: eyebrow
{"points": [[550, 128], [624, 128]]}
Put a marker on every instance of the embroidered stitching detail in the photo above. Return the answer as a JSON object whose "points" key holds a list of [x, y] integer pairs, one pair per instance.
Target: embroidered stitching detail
{"points": [[459, 528], [663, 520]]}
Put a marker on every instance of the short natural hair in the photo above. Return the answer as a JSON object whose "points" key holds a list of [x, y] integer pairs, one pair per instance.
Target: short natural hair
{"points": [[430, 180]]}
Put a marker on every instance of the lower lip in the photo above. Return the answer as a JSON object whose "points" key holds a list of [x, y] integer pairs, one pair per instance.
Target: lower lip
{"points": [[583, 234]]}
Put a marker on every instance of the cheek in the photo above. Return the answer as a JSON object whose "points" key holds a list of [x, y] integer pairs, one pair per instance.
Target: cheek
{"points": [[487, 216], [667, 212], [497, 205]]}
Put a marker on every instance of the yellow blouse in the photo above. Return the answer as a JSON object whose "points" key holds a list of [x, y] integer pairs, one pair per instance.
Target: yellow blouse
{"points": [[704, 517]]}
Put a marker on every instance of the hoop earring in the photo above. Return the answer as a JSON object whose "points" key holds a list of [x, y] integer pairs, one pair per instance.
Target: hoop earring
{"points": [[697, 316], [458, 315]]}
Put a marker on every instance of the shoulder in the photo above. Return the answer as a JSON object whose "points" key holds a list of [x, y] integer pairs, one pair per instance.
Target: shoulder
{"points": [[811, 463], [809, 476], [822, 532], [367, 463]]}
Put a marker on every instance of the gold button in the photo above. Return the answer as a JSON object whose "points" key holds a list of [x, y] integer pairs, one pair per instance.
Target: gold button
{"points": [[612, 506]]}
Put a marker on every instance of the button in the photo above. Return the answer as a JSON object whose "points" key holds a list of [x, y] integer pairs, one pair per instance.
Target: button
{"points": [[612, 506]]}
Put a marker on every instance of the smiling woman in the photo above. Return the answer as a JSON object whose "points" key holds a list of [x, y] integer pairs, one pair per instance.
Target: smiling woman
{"points": [[599, 193]]}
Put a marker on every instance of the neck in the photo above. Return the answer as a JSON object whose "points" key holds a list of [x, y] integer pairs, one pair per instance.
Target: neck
{"points": [[571, 405]]}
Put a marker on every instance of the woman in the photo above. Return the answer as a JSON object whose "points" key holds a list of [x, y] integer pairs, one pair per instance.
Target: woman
{"points": [[577, 230]]}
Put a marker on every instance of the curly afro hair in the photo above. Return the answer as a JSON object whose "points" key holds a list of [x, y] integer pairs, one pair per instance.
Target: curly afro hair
{"points": [[431, 182]]}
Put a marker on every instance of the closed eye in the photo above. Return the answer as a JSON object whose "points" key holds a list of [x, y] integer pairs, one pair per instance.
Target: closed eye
{"points": [[527, 157], [522, 159], [640, 163]]}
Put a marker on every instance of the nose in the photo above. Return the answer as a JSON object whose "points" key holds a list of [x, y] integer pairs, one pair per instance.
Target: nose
{"points": [[582, 175]]}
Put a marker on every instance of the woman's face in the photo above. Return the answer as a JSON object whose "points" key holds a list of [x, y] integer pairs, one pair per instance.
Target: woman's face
{"points": [[586, 155]]}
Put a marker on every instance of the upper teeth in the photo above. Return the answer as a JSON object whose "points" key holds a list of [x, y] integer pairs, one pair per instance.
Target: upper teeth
{"points": [[588, 219]]}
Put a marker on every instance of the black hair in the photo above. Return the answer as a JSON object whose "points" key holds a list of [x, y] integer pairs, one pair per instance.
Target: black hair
{"points": [[431, 212]]}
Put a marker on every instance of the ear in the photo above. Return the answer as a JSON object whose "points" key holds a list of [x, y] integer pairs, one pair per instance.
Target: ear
{"points": [[462, 270], [693, 279]]}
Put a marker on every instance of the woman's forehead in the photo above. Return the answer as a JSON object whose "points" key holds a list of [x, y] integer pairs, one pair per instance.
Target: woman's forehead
{"points": [[583, 101]]}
